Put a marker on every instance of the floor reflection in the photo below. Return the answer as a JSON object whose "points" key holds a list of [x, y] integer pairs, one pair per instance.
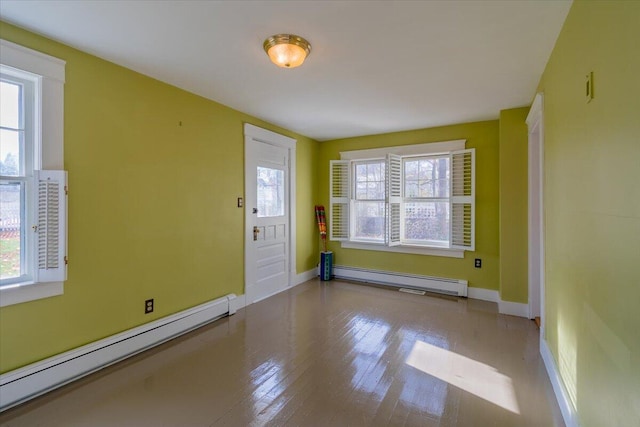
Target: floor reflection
{"points": [[369, 341], [267, 388], [375, 347]]}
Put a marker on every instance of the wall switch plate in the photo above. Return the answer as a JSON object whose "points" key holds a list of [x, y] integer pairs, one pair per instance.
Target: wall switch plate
{"points": [[478, 263], [148, 306], [240, 202]]}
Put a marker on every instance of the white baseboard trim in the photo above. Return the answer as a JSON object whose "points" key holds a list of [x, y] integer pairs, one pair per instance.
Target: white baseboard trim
{"points": [[504, 307], [305, 276], [569, 413], [513, 308], [240, 302], [484, 294], [38, 378]]}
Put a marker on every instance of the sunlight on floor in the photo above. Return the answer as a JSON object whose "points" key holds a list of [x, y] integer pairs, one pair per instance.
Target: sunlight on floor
{"points": [[467, 374]]}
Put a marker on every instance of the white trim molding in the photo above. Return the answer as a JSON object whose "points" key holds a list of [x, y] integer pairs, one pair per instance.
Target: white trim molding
{"points": [[535, 210], [569, 413], [25, 292], [483, 294], [513, 308], [504, 307], [305, 276], [33, 380], [405, 150]]}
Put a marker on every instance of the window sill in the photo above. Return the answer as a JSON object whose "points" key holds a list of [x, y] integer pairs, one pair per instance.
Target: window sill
{"points": [[24, 292], [405, 249]]}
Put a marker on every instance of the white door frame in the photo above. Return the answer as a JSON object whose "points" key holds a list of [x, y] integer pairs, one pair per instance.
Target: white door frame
{"points": [[535, 125], [255, 134]]}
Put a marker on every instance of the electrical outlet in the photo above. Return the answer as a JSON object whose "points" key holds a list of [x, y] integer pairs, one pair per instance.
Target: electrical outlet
{"points": [[478, 263], [148, 306]]}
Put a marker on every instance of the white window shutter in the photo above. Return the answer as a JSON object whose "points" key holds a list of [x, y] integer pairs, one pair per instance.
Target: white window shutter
{"points": [[463, 199], [339, 187], [394, 199], [51, 225]]}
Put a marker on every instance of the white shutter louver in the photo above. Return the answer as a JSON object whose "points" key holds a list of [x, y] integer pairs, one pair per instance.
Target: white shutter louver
{"points": [[339, 186], [51, 237], [463, 199], [394, 199]]}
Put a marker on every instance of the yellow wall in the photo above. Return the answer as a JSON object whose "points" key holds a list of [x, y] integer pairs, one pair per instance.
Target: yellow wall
{"points": [[483, 136], [152, 206], [513, 205], [592, 210]]}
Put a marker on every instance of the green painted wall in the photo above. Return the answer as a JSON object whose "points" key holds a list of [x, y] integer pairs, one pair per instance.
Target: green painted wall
{"points": [[483, 136], [592, 210], [513, 205], [152, 206]]}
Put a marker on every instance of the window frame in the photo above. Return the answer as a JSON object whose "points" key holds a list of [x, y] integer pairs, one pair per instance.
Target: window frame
{"points": [[48, 75], [446, 148], [27, 164]]}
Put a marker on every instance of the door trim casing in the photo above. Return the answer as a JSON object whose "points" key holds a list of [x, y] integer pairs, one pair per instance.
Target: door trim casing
{"points": [[254, 133], [535, 126]]}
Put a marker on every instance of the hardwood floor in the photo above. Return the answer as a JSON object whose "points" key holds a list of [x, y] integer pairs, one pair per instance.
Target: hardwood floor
{"points": [[323, 354]]}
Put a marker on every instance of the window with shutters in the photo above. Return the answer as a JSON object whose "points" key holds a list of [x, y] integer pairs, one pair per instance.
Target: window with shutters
{"points": [[32, 200], [415, 199]]}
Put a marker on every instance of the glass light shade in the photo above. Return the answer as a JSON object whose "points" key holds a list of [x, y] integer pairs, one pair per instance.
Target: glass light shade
{"points": [[287, 50], [287, 55]]}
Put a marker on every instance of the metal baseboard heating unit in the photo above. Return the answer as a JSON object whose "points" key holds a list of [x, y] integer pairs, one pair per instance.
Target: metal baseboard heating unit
{"points": [[33, 380], [402, 280]]}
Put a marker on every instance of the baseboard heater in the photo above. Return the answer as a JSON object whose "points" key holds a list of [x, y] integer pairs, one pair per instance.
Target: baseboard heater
{"points": [[402, 280], [33, 380]]}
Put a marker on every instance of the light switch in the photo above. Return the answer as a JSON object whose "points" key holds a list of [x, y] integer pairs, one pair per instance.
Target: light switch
{"points": [[240, 202]]}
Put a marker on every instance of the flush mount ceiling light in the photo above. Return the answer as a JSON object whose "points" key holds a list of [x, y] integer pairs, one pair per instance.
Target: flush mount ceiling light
{"points": [[287, 50]]}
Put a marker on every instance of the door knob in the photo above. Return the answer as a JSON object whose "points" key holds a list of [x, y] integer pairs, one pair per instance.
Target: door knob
{"points": [[256, 231]]}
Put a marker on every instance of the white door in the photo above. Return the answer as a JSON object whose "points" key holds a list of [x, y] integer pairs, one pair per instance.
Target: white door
{"points": [[267, 215]]}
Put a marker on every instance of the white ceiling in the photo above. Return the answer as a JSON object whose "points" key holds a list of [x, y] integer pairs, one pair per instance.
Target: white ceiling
{"points": [[375, 67]]}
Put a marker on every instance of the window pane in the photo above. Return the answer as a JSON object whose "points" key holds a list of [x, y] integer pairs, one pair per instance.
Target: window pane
{"points": [[369, 180], [270, 192], [361, 190], [375, 190], [10, 152], [411, 170], [427, 177], [426, 221], [361, 173], [10, 229], [369, 220], [374, 172], [10, 105]]}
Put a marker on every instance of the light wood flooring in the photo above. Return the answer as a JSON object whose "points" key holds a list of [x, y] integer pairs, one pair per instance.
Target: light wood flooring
{"points": [[323, 354]]}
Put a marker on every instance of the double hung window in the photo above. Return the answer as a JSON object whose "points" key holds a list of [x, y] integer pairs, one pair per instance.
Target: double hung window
{"points": [[413, 198], [32, 200]]}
